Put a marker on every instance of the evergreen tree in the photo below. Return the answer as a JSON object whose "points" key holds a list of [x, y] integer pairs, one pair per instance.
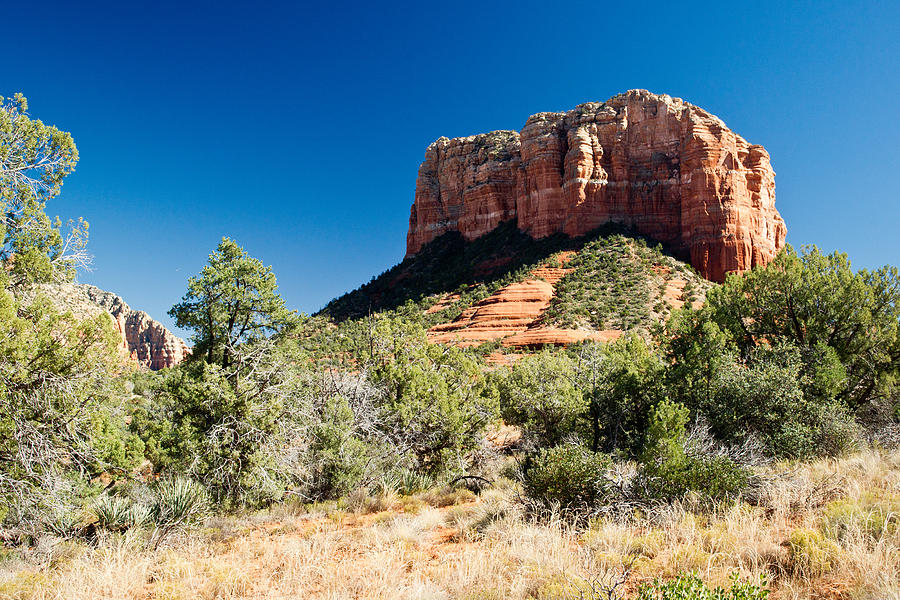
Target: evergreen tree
{"points": [[232, 301]]}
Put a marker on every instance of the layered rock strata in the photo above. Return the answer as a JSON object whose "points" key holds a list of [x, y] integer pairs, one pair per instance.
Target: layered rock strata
{"points": [[670, 170], [143, 340], [513, 314]]}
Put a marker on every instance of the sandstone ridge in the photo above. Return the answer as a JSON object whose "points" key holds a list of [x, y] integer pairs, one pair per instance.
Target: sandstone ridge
{"points": [[143, 339], [670, 170]]}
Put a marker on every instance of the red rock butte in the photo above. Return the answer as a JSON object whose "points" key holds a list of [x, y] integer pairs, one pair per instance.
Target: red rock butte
{"points": [[665, 168]]}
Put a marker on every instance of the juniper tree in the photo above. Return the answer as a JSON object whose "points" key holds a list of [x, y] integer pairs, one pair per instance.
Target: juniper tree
{"points": [[34, 160], [234, 300]]}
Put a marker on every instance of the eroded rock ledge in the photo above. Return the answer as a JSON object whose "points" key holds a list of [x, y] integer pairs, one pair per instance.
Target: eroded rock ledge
{"points": [[670, 170]]}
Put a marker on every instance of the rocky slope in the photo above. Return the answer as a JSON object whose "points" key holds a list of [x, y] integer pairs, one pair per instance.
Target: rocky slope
{"points": [[513, 315], [670, 170], [144, 340], [607, 287]]}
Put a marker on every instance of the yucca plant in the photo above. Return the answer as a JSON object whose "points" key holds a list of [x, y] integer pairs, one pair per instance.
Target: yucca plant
{"points": [[176, 502], [412, 482], [113, 513]]}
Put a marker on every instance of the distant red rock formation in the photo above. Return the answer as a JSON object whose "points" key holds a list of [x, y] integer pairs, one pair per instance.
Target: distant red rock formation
{"points": [[670, 170], [142, 339]]}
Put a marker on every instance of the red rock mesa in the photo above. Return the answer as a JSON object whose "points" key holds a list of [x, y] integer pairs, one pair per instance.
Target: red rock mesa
{"points": [[670, 170]]}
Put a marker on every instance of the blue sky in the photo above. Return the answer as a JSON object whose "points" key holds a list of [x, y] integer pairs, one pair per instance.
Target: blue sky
{"points": [[297, 129]]}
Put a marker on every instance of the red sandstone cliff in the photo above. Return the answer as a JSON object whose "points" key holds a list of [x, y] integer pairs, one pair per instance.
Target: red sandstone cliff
{"points": [[670, 170], [143, 340]]}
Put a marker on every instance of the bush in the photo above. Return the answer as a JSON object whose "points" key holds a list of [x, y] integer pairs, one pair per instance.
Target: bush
{"points": [[198, 423], [167, 506], [571, 476], [113, 513], [811, 553], [769, 395], [177, 501], [813, 300], [621, 381], [539, 394], [873, 514], [432, 399], [688, 586], [337, 457], [668, 471]]}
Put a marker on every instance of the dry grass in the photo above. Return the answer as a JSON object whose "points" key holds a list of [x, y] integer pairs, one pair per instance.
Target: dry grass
{"points": [[824, 530]]}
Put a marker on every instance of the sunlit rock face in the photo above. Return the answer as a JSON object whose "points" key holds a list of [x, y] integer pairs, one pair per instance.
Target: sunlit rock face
{"points": [[670, 170], [142, 340], [146, 340]]}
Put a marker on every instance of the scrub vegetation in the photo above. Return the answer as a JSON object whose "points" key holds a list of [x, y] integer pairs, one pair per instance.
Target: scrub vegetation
{"points": [[741, 448]]}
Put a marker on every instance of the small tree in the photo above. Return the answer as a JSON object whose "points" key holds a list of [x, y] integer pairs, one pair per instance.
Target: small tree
{"points": [[34, 160], [621, 394], [60, 421], [539, 394], [233, 301], [198, 423]]}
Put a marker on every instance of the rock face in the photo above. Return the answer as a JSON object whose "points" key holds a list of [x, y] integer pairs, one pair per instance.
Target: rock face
{"points": [[670, 170], [144, 340], [513, 315], [147, 340]]}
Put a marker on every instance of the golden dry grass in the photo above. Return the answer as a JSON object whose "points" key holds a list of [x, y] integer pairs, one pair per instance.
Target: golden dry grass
{"points": [[827, 530]]}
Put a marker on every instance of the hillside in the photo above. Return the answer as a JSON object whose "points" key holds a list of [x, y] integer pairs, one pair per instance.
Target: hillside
{"points": [[508, 290]]}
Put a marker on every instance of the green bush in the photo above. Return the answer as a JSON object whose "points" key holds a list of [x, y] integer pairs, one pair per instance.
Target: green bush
{"points": [[622, 381], [432, 399], [812, 300], [197, 422], [113, 513], [688, 586], [571, 476], [765, 396], [177, 501], [337, 457], [539, 394], [873, 514], [667, 471], [811, 553]]}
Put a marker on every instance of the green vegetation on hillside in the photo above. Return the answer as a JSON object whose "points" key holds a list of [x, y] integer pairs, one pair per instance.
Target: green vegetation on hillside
{"points": [[449, 264], [619, 282]]}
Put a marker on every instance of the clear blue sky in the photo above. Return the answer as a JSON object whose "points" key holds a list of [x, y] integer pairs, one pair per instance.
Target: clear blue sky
{"points": [[297, 129]]}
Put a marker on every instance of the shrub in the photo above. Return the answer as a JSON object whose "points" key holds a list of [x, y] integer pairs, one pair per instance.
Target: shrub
{"points": [[873, 514], [198, 423], [337, 457], [432, 398], [177, 501], [621, 381], [113, 513], [571, 476], [811, 553], [668, 471], [766, 395], [688, 586], [811, 299], [539, 394]]}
